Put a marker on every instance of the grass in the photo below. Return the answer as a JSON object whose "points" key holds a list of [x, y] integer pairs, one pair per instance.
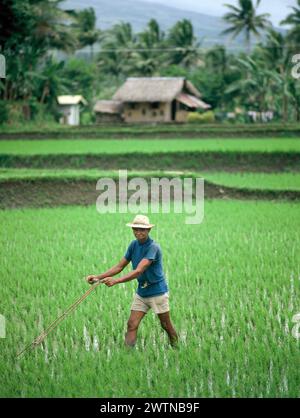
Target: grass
{"points": [[88, 146], [234, 287], [269, 181]]}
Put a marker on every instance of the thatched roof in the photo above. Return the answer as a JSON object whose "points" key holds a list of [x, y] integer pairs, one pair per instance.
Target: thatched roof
{"points": [[71, 100], [192, 101], [154, 89], [108, 106]]}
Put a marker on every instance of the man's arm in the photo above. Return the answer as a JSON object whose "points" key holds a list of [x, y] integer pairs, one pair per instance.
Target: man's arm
{"points": [[141, 267], [111, 272]]}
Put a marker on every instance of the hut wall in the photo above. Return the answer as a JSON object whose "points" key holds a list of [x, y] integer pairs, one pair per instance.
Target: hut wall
{"points": [[70, 114], [108, 118], [147, 112], [75, 119]]}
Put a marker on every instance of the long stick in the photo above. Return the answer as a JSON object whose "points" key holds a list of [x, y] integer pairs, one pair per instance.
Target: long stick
{"points": [[38, 340]]}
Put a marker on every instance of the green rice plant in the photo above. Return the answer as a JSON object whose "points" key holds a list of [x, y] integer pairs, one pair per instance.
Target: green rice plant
{"points": [[234, 287], [115, 146]]}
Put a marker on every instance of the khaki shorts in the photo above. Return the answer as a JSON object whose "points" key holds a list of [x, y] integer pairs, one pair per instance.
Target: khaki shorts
{"points": [[160, 303]]}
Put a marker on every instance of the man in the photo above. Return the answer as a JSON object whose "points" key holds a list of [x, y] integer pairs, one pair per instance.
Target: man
{"points": [[152, 292]]}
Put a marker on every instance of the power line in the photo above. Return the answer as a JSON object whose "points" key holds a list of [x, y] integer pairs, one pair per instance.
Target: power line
{"points": [[202, 49]]}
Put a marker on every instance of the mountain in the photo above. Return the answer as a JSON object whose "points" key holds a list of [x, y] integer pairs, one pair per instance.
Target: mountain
{"points": [[109, 12]]}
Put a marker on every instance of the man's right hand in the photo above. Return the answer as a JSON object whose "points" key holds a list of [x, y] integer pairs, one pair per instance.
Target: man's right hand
{"points": [[92, 279]]}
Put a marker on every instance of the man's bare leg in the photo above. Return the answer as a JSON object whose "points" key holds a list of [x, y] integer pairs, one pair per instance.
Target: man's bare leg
{"points": [[132, 327], [167, 325]]}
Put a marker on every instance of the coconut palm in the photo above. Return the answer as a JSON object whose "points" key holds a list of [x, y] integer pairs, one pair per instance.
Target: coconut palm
{"points": [[254, 88], [216, 59], [149, 55], [274, 55], [244, 19], [294, 89], [40, 23], [51, 82], [186, 47], [293, 19], [118, 44], [51, 27], [86, 29], [217, 76], [153, 34], [274, 51], [32, 29]]}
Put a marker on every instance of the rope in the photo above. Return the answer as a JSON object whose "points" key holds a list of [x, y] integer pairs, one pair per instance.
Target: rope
{"points": [[38, 340]]}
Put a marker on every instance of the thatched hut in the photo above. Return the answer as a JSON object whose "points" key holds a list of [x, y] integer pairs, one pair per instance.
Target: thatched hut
{"points": [[108, 111], [158, 99]]}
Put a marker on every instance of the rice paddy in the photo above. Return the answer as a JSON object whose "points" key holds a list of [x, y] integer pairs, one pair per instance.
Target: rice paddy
{"points": [[269, 181], [88, 146], [234, 287], [261, 181], [234, 279]]}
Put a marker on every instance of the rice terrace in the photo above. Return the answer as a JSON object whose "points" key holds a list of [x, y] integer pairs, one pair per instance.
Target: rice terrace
{"points": [[149, 200], [241, 263]]}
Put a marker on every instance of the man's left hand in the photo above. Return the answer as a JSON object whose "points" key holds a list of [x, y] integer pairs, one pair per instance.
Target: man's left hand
{"points": [[109, 281]]}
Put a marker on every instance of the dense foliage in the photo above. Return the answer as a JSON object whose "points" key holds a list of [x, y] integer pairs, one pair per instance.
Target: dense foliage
{"points": [[51, 51]]}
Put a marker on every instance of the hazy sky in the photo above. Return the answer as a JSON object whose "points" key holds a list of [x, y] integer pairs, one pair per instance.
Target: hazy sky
{"points": [[278, 9]]}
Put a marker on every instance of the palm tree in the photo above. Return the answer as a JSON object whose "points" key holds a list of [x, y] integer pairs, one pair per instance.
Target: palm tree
{"points": [[51, 26], [149, 57], [51, 82], [118, 45], [294, 89], [244, 18], [85, 25], [218, 70], [254, 88], [293, 19], [216, 59], [153, 34], [186, 48], [274, 50], [274, 55]]}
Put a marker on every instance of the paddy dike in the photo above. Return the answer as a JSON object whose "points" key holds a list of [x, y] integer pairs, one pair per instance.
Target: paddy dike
{"points": [[159, 131], [263, 162], [51, 193]]}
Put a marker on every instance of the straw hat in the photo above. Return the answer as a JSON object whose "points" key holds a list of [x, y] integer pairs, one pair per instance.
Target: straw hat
{"points": [[140, 221]]}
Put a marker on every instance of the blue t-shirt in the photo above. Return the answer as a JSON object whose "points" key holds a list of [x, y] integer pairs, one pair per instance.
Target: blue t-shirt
{"points": [[152, 282]]}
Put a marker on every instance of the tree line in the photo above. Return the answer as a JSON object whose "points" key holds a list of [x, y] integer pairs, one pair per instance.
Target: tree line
{"points": [[34, 32]]}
